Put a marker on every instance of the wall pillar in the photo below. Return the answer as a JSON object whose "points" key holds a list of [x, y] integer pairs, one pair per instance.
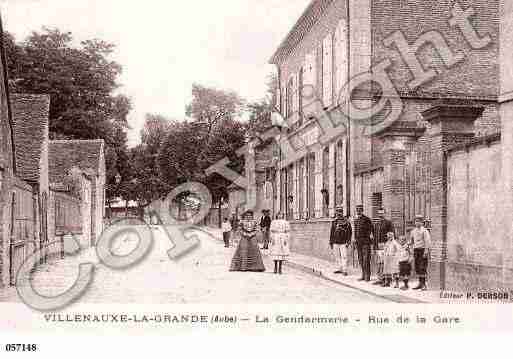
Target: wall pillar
{"points": [[398, 139], [450, 125]]}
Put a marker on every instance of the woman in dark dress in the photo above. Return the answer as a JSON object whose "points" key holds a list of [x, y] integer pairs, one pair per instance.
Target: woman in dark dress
{"points": [[247, 257]]}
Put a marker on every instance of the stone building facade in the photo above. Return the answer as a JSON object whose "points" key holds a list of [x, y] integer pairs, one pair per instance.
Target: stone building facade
{"points": [[439, 85], [89, 157]]}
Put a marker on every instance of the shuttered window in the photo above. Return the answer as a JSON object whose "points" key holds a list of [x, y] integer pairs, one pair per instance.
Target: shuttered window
{"points": [[290, 193], [319, 73], [341, 61], [311, 184], [290, 97], [300, 96], [301, 187], [339, 173], [327, 70], [325, 182]]}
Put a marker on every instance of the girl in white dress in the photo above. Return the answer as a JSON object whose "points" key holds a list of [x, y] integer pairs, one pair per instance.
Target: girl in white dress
{"points": [[280, 242], [390, 252]]}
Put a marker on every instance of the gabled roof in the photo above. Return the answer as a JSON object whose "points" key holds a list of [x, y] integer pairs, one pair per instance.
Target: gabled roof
{"points": [[66, 154], [308, 19], [30, 115]]}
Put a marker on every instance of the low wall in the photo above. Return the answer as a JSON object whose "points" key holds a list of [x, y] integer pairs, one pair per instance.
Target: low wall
{"points": [[478, 251], [311, 238]]}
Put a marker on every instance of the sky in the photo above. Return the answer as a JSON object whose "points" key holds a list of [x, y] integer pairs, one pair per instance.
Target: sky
{"points": [[165, 46]]}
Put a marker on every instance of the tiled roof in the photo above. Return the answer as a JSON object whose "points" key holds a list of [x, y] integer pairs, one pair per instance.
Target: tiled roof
{"points": [[66, 154], [308, 19], [30, 118]]}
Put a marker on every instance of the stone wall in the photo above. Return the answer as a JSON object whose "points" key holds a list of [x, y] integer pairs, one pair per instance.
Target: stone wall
{"points": [[476, 232]]}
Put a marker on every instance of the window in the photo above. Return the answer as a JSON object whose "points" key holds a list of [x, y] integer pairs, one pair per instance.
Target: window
{"points": [[311, 185], [327, 67], [290, 192], [301, 190], [339, 173], [300, 97], [325, 182], [320, 70], [290, 98], [283, 190], [340, 65]]}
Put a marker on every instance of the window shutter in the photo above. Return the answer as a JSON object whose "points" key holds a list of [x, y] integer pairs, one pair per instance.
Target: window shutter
{"points": [[284, 100], [341, 61], [296, 95], [278, 99], [319, 72], [309, 83], [327, 70]]}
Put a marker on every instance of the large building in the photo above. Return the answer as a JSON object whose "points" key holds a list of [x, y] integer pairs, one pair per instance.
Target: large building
{"points": [[411, 88]]}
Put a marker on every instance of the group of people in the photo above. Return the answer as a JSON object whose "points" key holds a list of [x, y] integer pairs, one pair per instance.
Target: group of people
{"points": [[395, 256], [276, 239]]}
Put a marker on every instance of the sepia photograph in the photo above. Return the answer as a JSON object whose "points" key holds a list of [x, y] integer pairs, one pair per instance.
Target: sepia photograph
{"points": [[240, 164]]}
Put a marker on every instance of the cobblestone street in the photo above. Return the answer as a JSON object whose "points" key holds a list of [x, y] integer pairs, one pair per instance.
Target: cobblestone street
{"points": [[200, 277]]}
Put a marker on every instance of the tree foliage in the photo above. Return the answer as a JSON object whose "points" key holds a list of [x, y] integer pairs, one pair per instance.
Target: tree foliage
{"points": [[146, 184], [82, 82], [214, 133], [260, 111]]}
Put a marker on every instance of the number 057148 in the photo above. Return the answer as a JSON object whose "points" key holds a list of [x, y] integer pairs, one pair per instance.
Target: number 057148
{"points": [[21, 347]]}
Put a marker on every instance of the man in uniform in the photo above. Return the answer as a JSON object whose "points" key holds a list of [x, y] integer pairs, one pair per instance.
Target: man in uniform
{"points": [[421, 250], [340, 239], [363, 240], [381, 228]]}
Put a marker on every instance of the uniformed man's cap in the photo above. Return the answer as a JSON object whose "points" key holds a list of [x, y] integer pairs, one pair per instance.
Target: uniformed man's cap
{"points": [[339, 210], [359, 206], [419, 217]]}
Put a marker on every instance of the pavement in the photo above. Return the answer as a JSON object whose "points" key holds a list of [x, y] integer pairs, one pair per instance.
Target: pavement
{"points": [[324, 269], [202, 276]]}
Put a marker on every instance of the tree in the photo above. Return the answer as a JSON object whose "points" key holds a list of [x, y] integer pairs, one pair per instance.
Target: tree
{"points": [[179, 163], [145, 184], [260, 111], [81, 81]]}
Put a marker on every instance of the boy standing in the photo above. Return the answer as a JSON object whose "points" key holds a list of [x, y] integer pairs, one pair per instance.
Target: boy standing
{"points": [[421, 250], [404, 259]]}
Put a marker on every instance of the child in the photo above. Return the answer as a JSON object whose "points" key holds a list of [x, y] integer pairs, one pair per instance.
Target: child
{"points": [[226, 228], [404, 259], [390, 252], [280, 238]]}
